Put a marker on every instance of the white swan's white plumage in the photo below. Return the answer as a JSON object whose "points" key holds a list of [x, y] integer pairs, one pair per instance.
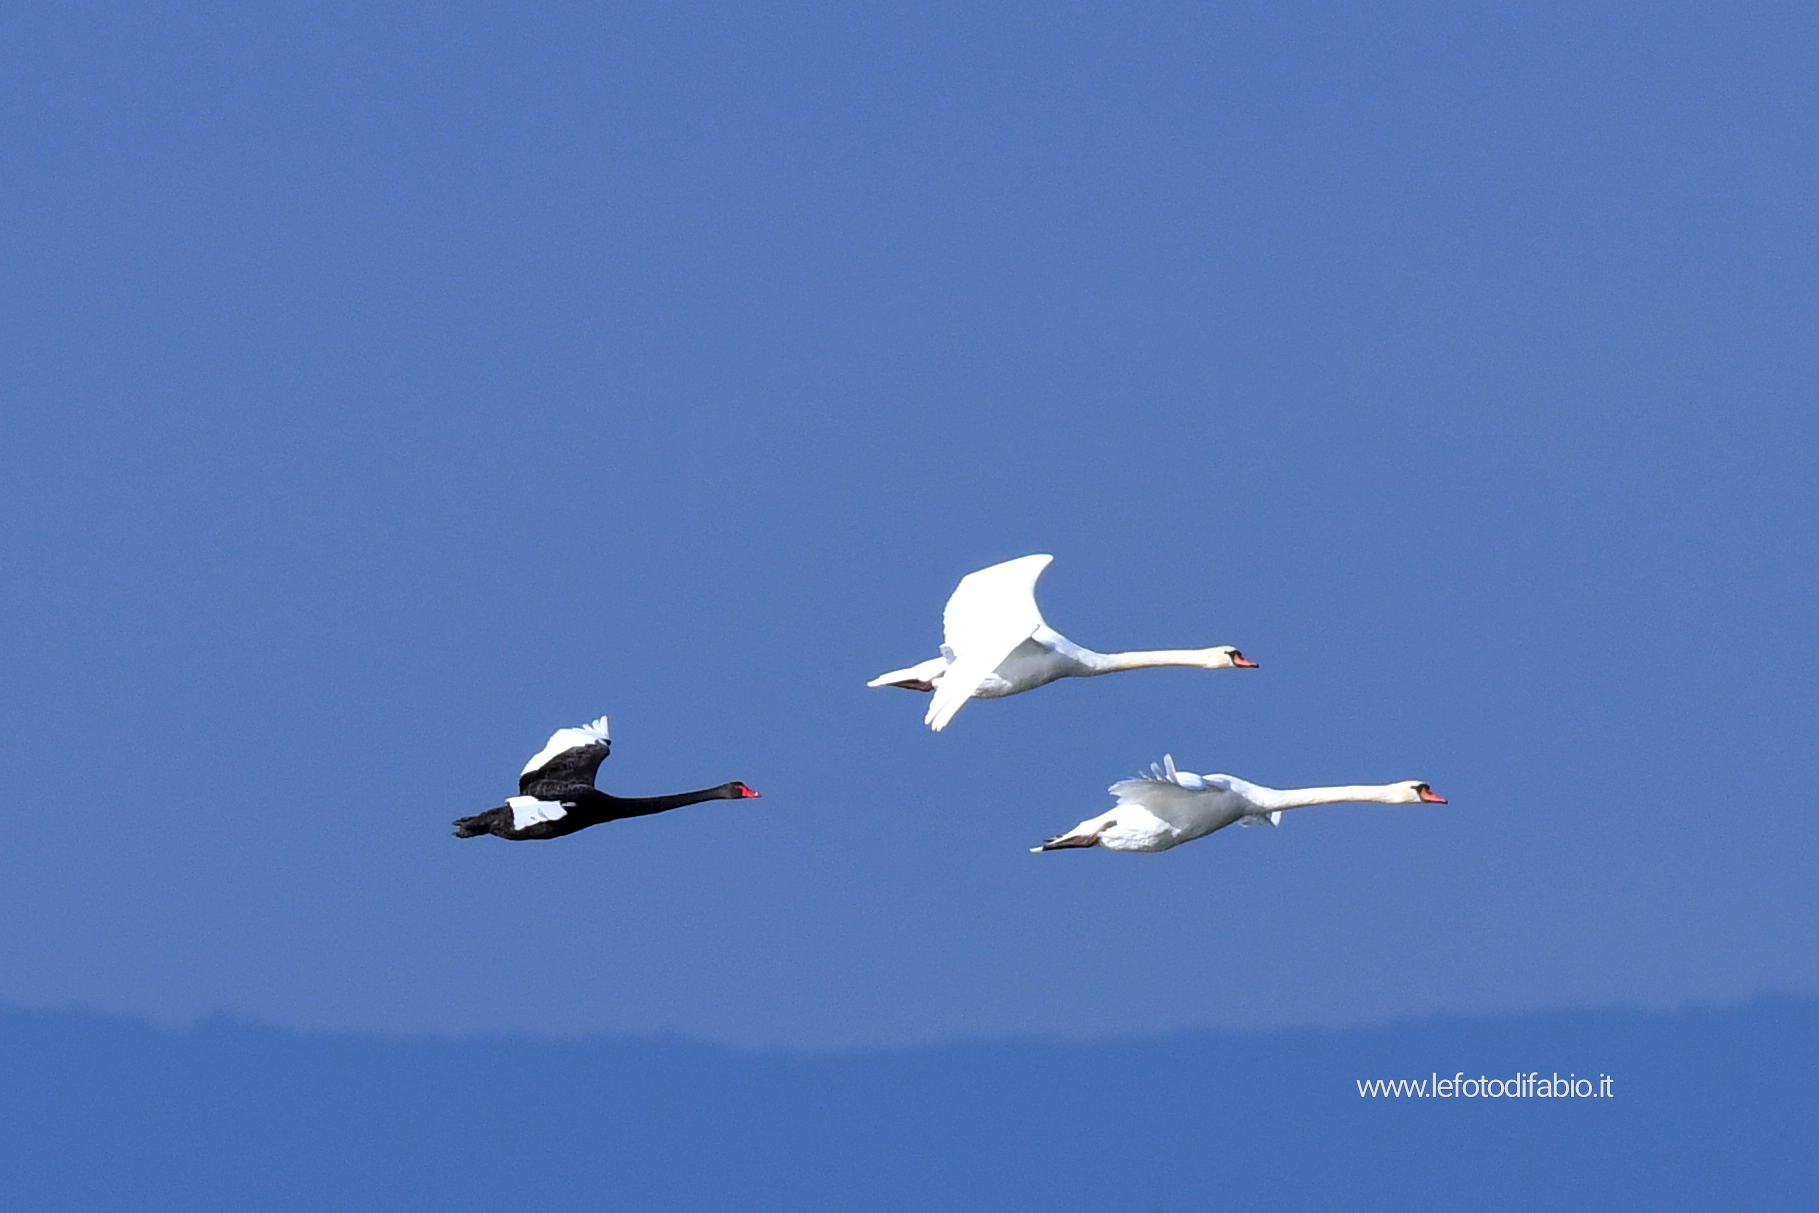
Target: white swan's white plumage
{"points": [[997, 644], [566, 739], [1168, 807]]}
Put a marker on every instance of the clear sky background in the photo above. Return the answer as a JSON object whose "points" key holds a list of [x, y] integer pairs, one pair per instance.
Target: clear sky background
{"points": [[384, 390], [1708, 1109]]}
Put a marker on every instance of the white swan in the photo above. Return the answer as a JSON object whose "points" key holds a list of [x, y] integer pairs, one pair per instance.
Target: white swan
{"points": [[997, 645], [1168, 807]]}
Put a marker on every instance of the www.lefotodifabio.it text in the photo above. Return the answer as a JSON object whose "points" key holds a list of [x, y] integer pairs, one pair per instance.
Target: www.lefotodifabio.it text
{"points": [[1533, 1085]]}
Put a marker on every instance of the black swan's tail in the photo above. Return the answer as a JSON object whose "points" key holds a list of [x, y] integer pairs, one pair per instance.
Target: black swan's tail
{"points": [[481, 823]]}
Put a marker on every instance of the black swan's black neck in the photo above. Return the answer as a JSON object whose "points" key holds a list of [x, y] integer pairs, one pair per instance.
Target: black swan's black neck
{"points": [[614, 807]]}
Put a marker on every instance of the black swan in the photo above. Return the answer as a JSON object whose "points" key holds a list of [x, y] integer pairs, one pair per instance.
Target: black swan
{"points": [[557, 796]]}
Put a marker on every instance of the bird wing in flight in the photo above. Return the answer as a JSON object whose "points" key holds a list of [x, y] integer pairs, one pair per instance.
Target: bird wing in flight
{"points": [[528, 811], [1174, 796], [571, 758], [990, 613]]}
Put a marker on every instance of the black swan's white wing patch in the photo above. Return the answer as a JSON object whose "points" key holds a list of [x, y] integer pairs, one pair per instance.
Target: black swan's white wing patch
{"points": [[571, 758], [527, 811]]}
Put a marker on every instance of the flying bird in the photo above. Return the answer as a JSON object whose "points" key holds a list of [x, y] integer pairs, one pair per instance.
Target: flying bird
{"points": [[557, 796], [997, 645], [1167, 807]]}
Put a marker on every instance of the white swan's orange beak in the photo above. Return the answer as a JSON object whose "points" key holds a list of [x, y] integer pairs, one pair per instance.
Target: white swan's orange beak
{"points": [[1239, 659], [1432, 797], [748, 793]]}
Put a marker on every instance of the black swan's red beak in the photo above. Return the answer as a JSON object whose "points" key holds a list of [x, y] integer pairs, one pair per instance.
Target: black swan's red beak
{"points": [[748, 793]]}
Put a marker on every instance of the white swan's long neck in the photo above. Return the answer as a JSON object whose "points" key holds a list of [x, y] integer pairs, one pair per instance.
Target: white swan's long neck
{"points": [[1351, 793], [1107, 663]]}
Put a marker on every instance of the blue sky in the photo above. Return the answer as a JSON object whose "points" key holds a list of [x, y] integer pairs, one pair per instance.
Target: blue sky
{"points": [[226, 1117], [386, 390]]}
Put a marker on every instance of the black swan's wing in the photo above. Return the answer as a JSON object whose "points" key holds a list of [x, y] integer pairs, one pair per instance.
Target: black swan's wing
{"points": [[569, 760]]}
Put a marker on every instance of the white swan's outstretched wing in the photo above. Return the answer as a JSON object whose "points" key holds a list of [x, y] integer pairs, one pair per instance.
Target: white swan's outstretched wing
{"points": [[990, 613], [1177, 797]]}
